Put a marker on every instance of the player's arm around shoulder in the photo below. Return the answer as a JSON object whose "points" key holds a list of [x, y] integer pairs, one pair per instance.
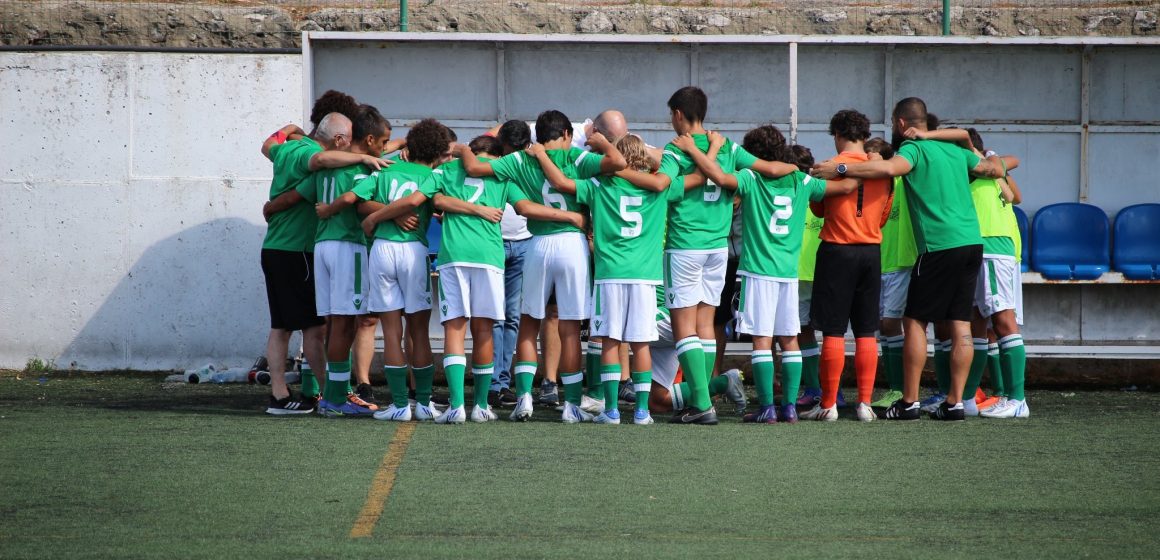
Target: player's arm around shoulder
{"points": [[707, 163], [552, 173], [535, 211]]}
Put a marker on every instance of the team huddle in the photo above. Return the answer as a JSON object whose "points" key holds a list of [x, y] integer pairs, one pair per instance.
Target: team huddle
{"points": [[882, 240]]}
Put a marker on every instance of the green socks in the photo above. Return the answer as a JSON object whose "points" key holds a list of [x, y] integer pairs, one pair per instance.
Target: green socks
{"points": [[1013, 362], [481, 376], [310, 386], [709, 347], [791, 375], [610, 381], [892, 352], [994, 370], [454, 369], [642, 386], [337, 380], [424, 379], [525, 374], [762, 361], [942, 364], [692, 359], [592, 370], [717, 385], [573, 386], [978, 364], [397, 381], [811, 355]]}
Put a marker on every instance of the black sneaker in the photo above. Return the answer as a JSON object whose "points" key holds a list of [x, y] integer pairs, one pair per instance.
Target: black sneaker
{"points": [[694, 415], [507, 397], [288, 406], [901, 410], [366, 393], [549, 393], [627, 394], [440, 400], [950, 413], [493, 398]]}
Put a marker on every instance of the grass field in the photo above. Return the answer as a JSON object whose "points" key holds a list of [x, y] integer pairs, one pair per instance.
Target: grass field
{"points": [[124, 466]]}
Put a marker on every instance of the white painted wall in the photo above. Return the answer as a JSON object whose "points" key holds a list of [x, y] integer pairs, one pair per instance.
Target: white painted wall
{"points": [[132, 187]]}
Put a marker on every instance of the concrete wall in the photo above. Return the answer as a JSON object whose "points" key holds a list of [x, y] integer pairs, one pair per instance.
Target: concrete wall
{"points": [[132, 188]]}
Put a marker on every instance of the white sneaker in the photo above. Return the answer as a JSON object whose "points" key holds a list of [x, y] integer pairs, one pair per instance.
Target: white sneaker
{"points": [[865, 413], [1002, 401], [481, 415], [735, 391], [933, 405], [425, 412], [642, 418], [452, 416], [970, 407], [1011, 409], [394, 414], [523, 409], [819, 413], [573, 414], [611, 416], [591, 405]]}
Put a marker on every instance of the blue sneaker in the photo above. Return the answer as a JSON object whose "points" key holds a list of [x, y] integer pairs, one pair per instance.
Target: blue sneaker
{"points": [[841, 400], [347, 408], [609, 416], [930, 404], [810, 397], [767, 415], [642, 418], [788, 414]]}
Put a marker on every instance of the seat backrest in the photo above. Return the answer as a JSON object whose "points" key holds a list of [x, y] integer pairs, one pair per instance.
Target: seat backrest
{"points": [[1137, 235], [1070, 233], [1021, 219]]}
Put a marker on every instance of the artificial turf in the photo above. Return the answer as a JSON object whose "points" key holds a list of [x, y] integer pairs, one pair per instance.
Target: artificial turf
{"points": [[126, 466]]}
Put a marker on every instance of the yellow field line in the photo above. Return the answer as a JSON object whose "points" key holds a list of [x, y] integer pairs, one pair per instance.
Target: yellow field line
{"points": [[384, 480]]}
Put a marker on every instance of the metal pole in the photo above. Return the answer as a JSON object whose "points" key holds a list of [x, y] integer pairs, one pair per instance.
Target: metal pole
{"points": [[793, 92], [946, 17], [403, 15]]}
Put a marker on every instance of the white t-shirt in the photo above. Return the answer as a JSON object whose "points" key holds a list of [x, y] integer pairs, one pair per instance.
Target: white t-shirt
{"points": [[513, 226]]}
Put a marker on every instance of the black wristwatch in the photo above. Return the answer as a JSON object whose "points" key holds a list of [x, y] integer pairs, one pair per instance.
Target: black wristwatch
{"points": [[841, 169]]}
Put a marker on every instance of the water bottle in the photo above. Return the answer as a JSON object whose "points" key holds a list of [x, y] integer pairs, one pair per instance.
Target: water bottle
{"points": [[202, 374], [232, 375]]}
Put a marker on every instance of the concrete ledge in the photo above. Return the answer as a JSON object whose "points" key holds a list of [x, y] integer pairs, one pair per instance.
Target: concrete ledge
{"points": [[1111, 277]]}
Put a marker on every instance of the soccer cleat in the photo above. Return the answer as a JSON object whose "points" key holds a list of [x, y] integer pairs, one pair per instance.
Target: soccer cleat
{"points": [[289, 406], [735, 391], [948, 412], [426, 412], [610, 416], [549, 393], [1010, 409], [359, 401], [810, 397], [970, 408], [642, 418], [694, 415], [887, 399], [930, 404], [573, 414], [865, 412], [819, 413], [627, 394], [788, 414], [366, 393], [767, 415], [901, 410], [591, 405], [523, 410], [481, 415], [987, 402], [349, 407], [507, 398], [394, 414], [998, 402], [452, 416]]}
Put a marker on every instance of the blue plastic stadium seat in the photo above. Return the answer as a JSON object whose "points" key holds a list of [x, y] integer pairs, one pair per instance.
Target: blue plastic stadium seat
{"points": [[1136, 252], [1070, 241], [434, 239], [1025, 254]]}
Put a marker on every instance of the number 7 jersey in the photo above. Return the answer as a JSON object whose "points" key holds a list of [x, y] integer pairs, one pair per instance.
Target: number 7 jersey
{"points": [[628, 227], [773, 214]]}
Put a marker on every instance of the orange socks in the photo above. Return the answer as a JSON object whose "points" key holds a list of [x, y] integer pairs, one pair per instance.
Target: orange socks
{"points": [[866, 366], [830, 368]]}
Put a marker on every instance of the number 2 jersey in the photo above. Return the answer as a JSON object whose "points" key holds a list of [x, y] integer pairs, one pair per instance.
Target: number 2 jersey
{"points": [[628, 225], [773, 215]]}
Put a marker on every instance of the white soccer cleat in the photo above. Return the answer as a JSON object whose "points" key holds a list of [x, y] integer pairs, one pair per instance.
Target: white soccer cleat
{"points": [[452, 416], [1002, 402], [1011, 409], [970, 407], [611, 416], [394, 414], [523, 411], [591, 405], [819, 413], [865, 413], [426, 412], [573, 414], [481, 415], [933, 405], [642, 418], [735, 391]]}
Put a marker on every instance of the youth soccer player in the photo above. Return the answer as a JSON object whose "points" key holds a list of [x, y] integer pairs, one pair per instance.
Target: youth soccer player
{"points": [[898, 255]]}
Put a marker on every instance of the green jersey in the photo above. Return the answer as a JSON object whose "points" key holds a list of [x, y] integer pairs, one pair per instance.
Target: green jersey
{"points": [[325, 186], [627, 229], [294, 228], [774, 216], [898, 249], [941, 209], [525, 172], [811, 240], [400, 180], [700, 217], [470, 240]]}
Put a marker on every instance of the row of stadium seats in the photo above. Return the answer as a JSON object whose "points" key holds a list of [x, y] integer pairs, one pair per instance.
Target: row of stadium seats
{"points": [[1073, 241]]}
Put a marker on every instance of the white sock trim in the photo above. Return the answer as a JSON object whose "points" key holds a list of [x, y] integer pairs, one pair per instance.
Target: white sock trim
{"points": [[641, 387], [338, 376], [688, 343], [609, 376], [678, 398], [454, 361], [525, 369], [572, 378]]}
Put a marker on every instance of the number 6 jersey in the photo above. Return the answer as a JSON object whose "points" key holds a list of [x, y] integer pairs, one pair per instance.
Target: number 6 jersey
{"points": [[773, 213]]}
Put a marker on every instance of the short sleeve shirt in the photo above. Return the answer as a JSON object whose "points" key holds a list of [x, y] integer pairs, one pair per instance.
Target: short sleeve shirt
{"points": [[293, 229], [699, 218], [400, 180], [523, 170], [898, 249], [469, 240], [938, 195], [774, 216], [326, 185], [628, 227]]}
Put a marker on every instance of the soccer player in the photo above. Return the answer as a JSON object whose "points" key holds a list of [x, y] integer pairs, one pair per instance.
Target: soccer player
{"points": [[773, 218], [946, 233], [696, 246], [898, 255], [848, 273], [557, 262], [807, 339]]}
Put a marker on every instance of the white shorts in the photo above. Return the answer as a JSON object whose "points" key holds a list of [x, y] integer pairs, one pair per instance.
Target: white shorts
{"points": [[557, 265], [340, 284], [470, 291], [400, 277], [892, 301], [664, 353], [625, 312], [999, 287], [768, 307], [805, 298], [694, 277]]}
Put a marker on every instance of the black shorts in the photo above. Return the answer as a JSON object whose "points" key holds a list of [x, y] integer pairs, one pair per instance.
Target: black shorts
{"points": [[942, 284], [847, 283], [290, 289], [728, 305]]}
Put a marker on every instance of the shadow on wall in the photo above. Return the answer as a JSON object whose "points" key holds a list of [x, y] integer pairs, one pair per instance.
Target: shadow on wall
{"points": [[192, 298]]}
